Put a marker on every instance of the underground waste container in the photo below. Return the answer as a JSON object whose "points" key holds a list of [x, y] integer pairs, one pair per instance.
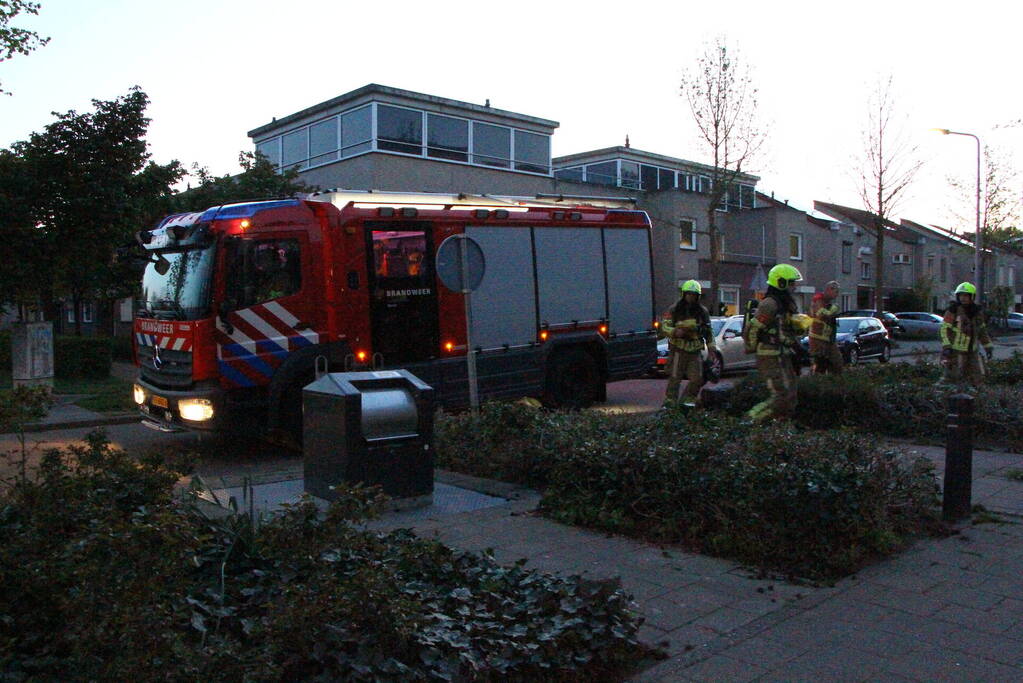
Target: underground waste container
{"points": [[373, 428]]}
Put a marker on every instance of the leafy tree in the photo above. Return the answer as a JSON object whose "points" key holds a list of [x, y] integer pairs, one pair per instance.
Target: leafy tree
{"points": [[259, 179], [81, 188], [888, 164], [14, 40], [723, 101]]}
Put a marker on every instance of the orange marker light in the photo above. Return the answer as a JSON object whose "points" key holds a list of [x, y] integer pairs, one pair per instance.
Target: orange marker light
{"points": [[657, 324], [543, 335], [449, 346], [244, 224], [361, 355], [603, 329]]}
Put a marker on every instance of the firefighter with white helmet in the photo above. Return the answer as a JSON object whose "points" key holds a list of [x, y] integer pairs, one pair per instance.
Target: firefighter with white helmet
{"points": [[687, 327], [773, 335], [963, 332]]}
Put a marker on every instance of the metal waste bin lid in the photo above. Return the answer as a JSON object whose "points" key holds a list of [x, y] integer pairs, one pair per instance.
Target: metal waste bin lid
{"points": [[388, 413]]}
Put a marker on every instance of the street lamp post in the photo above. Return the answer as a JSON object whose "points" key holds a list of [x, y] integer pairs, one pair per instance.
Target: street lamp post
{"points": [[978, 261]]}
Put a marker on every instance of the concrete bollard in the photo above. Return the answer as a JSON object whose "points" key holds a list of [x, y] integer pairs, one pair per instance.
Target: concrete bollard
{"points": [[958, 488]]}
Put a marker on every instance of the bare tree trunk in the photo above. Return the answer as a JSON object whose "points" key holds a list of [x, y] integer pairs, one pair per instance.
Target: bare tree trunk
{"points": [[711, 300], [879, 269]]}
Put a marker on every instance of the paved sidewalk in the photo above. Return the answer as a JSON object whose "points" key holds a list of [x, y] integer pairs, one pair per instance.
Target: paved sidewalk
{"points": [[945, 609]]}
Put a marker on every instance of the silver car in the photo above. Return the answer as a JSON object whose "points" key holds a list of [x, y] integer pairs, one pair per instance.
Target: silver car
{"points": [[919, 325], [731, 352]]}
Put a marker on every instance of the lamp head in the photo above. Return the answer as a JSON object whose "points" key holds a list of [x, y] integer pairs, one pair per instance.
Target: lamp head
{"points": [[943, 131]]}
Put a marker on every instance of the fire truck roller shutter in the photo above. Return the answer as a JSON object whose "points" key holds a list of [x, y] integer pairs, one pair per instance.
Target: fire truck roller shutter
{"points": [[503, 307], [629, 285], [570, 274]]}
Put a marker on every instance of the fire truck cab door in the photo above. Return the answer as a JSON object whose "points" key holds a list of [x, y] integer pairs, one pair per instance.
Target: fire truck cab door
{"points": [[403, 293]]}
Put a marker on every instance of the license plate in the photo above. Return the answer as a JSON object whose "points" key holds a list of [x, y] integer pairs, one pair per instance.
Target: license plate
{"points": [[160, 401]]}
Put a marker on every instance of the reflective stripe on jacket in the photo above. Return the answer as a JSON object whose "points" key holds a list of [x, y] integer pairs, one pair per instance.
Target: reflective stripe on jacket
{"points": [[696, 333], [823, 325], [962, 332], [771, 331]]}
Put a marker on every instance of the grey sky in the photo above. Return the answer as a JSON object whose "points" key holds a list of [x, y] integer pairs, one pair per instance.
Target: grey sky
{"points": [[216, 68]]}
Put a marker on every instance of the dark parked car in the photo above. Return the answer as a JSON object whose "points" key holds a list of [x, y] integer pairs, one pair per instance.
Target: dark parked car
{"points": [[859, 339], [919, 324], [891, 323]]}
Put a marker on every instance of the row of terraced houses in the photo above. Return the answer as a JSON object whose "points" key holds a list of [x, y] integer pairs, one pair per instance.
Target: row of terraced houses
{"points": [[386, 139]]}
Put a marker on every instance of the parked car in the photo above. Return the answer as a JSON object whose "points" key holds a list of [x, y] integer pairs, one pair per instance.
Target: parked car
{"points": [[891, 323], [859, 339], [919, 324], [731, 353], [1015, 321]]}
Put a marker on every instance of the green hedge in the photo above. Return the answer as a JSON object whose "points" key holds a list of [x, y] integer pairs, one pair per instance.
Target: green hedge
{"points": [[81, 357], [810, 504], [104, 576], [901, 400], [73, 357]]}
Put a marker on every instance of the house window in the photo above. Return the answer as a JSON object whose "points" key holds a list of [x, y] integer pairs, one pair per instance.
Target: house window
{"points": [[271, 149], [532, 152], [127, 311], [747, 196], [447, 138], [795, 246], [604, 173], [864, 270], [847, 257], [930, 265], [323, 142], [730, 298], [573, 174], [87, 312], [900, 258], [648, 177], [704, 184], [491, 145], [944, 269], [71, 313], [356, 132], [846, 302], [630, 174], [665, 179], [399, 130], [295, 149], [687, 234]]}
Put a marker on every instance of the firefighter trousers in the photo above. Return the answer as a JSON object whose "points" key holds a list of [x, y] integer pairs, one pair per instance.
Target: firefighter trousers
{"points": [[780, 375], [964, 367], [684, 365], [827, 359]]}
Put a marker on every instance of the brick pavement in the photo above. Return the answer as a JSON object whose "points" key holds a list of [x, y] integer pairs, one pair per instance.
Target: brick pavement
{"points": [[945, 609]]}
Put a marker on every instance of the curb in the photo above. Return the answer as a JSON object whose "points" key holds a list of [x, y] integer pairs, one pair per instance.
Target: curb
{"points": [[120, 419]]}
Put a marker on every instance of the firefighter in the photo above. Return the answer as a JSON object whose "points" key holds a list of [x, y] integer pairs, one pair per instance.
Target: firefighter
{"points": [[773, 335], [823, 349], [962, 331], [687, 327]]}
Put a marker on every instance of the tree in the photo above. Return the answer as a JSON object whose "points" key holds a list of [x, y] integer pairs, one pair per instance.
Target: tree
{"points": [[14, 40], [81, 188], [1000, 203], [887, 167], [723, 102], [259, 179]]}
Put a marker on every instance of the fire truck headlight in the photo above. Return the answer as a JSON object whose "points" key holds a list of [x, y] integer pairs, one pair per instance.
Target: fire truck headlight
{"points": [[139, 394], [195, 409]]}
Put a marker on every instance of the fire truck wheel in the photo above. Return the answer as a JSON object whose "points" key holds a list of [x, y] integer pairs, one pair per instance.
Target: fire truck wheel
{"points": [[572, 380], [290, 411]]}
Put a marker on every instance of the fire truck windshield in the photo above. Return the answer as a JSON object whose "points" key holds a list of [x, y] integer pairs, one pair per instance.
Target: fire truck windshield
{"points": [[183, 291]]}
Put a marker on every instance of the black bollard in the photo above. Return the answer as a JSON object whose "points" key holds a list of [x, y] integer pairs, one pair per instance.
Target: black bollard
{"points": [[958, 489]]}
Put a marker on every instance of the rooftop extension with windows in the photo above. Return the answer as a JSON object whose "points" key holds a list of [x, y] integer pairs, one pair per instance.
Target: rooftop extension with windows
{"points": [[635, 169], [377, 118]]}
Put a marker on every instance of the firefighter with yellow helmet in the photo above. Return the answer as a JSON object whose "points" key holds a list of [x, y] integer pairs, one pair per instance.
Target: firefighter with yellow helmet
{"points": [[773, 335], [963, 332], [687, 328]]}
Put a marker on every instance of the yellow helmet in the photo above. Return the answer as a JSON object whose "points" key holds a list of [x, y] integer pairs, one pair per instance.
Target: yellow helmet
{"points": [[690, 286], [801, 322], [782, 275]]}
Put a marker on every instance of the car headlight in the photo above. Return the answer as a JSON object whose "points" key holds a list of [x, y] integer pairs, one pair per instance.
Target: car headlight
{"points": [[139, 394], [195, 409]]}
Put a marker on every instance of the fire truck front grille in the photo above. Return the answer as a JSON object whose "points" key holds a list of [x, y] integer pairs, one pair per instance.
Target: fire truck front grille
{"points": [[174, 371]]}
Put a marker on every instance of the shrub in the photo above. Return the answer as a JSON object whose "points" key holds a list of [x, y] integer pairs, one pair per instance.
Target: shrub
{"points": [[81, 357], [121, 348], [811, 504], [5, 351], [105, 576]]}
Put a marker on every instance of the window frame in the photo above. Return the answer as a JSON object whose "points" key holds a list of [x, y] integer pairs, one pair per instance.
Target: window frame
{"points": [[468, 138], [692, 222], [865, 270], [511, 147], [422, 131], [798, 256]]}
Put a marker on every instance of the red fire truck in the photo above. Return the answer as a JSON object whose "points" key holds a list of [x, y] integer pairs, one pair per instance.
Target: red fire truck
{"points": [[240, 303]]}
